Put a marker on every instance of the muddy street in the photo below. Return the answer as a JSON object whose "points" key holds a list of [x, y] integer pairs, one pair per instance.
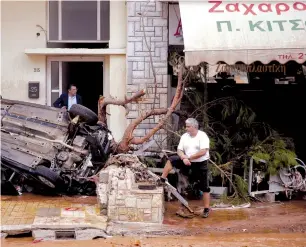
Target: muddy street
{"points": [[208, 240], [264, 224], [278, 217]]}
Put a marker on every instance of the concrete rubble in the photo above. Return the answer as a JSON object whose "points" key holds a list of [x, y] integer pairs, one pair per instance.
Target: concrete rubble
{"points": [[120, 199]]}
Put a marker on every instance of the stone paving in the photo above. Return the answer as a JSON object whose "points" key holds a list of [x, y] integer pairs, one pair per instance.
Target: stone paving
{"points": [[52, 218], [30, 213], [23, 209]]}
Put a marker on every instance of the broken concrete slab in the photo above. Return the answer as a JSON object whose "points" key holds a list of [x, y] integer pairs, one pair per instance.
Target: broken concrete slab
{"points": [[3, 235], [78, 223], [142, 229], [68, 234], [16, 229], [70, 221], [48, 212]]}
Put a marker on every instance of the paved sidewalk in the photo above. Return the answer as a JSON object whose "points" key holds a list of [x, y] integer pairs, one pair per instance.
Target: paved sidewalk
{"points": [[22, 210]]}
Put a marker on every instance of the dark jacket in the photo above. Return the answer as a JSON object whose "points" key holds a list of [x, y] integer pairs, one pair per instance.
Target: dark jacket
{"points": [[63, 100]]}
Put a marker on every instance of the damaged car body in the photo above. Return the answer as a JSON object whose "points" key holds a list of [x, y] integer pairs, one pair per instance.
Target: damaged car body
{"points": [[59, 149]]}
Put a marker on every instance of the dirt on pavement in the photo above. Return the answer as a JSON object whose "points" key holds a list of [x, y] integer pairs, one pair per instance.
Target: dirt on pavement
{"points": [[207, 240], [264, 224]]}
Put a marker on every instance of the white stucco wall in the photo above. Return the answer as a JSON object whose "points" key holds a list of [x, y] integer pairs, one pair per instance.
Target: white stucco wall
{"points": [[18, 31], [116, 78]]}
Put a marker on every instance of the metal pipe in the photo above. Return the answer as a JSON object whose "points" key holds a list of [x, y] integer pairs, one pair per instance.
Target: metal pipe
{"points": [[85, 152], [10, 179], [250, 175]]}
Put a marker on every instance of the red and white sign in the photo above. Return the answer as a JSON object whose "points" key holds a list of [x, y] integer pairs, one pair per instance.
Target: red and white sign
{"points": [[175, 25], [246, 31]]}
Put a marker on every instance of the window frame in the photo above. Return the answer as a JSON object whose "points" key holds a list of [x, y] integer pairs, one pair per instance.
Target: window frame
{"points": [[60, 25]]}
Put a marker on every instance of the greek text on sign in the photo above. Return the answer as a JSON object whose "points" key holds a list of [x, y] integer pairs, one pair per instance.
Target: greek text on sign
{"points": [[254, 9], [245, 31], [263, 26], [251, 68], [300, 56]]}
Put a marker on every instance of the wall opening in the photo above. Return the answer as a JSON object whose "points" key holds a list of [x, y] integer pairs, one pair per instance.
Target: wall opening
{"points": [[86, 75]]}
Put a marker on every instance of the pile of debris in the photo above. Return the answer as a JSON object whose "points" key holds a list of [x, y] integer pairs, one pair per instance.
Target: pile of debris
{"points": [[294, 178], [127, 193]]}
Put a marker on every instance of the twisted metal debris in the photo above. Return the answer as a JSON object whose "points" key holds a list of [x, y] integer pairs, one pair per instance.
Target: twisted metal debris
{"points": [[293, 178]]}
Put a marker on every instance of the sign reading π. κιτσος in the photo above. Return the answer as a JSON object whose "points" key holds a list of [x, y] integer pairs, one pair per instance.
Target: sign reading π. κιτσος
{"points": [[264, 26]]}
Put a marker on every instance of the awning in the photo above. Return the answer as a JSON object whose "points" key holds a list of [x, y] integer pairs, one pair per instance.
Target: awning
{"points": [[246, 31]]}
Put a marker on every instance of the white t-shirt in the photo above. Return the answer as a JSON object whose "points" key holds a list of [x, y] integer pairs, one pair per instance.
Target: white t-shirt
{"points": [[192, 145]]}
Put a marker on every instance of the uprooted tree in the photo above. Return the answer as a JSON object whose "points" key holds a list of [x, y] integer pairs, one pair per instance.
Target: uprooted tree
{"points": [[128, 139]]}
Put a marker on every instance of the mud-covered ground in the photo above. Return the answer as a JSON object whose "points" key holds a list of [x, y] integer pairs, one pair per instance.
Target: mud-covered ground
{"points": [[207, 240], [264, 224], [279, 217]]}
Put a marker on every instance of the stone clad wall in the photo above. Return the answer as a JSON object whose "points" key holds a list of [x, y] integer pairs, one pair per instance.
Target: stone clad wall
{"points": [[147, 33], [121, 200]]}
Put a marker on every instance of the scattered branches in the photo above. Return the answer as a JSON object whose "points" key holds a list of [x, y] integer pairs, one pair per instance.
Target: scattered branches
{"points": [[237, 189]]}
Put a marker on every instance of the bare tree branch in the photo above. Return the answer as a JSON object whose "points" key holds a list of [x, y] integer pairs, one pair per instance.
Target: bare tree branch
{"points": [[128, 138], [104, 102]]}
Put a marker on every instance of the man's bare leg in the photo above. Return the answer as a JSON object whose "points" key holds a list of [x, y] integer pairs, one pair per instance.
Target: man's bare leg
{"points": [[206, 201], [167, 169], [181, 212]]}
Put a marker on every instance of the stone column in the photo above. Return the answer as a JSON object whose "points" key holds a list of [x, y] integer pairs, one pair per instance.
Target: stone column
{"points": [[147, 34]]}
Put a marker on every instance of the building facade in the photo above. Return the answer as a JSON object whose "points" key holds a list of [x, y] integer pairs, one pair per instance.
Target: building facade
{"points": [[46, 46]]}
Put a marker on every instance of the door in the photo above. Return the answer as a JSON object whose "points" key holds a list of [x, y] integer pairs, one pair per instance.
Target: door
{"points": [[86, 72]]}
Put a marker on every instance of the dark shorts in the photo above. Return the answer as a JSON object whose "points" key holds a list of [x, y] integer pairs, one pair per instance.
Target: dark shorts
{"points": [[197, 172]]}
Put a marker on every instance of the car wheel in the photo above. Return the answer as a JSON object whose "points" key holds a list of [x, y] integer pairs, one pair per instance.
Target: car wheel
{"points": [[48, 177], [86, 114]]}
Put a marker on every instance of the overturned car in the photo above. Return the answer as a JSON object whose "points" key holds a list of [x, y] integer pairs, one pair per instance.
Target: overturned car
{"points": [[57, 149]]}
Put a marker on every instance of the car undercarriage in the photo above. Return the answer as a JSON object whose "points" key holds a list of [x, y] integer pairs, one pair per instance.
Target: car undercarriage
{"points": [[52, 148]]}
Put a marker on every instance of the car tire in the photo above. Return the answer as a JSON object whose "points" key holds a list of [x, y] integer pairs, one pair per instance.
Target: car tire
{"points": [[48, 177], [86, 114]]}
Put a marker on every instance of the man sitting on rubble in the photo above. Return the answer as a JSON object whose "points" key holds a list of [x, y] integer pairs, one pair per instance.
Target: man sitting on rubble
{"points": [[193, 155]]}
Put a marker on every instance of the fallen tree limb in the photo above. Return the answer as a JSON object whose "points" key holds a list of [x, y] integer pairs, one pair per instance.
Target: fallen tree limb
{"points": [[128, 138], [104, 102], [230, 180]]}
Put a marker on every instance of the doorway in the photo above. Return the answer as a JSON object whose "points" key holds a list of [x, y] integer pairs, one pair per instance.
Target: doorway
{"points": [[86, 74]]}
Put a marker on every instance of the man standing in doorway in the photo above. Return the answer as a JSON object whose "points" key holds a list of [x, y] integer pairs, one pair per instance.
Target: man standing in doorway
{"points": [[66, 100], [193, 155]]}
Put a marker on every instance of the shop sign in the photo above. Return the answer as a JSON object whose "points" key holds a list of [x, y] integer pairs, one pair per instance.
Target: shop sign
{"points": [[175, 25]]}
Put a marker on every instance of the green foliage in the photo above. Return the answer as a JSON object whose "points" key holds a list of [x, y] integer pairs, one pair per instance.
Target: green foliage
{"points": [[235, 201], [241, 185], [149, 162], [231, 125], [275, 153], [236, 136]]}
